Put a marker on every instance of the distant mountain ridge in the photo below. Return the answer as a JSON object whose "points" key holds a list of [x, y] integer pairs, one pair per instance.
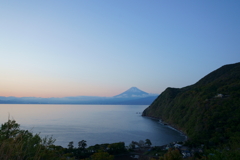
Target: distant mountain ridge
{"points": [[132, 96], [132, 92]]}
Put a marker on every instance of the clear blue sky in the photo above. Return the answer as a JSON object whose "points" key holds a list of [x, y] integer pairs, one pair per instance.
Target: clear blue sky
{"points": [[101, 48]]}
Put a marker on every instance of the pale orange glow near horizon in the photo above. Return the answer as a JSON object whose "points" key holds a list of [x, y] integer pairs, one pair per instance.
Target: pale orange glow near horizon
{"points": [[48, 92], [56, 94], [103, 49], [54, 90], [32, 85]]}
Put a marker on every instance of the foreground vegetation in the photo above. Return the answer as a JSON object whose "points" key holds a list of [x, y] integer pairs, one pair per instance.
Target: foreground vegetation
{"points": [[208, 112], [17, 144]]}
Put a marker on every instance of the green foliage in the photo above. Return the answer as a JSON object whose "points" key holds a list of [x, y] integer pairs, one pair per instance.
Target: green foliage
{"points": [[70, 145], [148, 142], [23, 145], [82, 144], [116, 148], [172, 154], [223, 154], [82, 152], [101, 156], [132, 146], [199, 112]]}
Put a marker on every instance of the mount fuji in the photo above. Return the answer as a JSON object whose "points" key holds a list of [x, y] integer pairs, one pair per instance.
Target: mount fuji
{"points": [[132, 96], [133, 92]]}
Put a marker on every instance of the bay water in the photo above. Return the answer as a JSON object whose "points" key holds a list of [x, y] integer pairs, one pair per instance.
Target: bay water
{"points": [[97, 124]]}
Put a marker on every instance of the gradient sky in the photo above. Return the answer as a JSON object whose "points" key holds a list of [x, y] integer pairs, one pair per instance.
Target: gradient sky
{"points": [[52, 48]]}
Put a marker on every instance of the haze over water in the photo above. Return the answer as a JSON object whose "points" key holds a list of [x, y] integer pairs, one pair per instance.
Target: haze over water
{"points": [[96, 124]]}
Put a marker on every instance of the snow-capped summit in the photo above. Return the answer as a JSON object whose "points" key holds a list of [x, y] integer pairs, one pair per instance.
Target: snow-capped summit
{"points": [[134, 89], [132, 92]]}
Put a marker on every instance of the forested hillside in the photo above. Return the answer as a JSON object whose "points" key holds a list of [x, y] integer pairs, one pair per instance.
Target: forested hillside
{"points": [[208, 111]]}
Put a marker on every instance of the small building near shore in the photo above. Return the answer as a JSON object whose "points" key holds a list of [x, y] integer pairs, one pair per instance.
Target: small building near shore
{"points": [[219, 96]]}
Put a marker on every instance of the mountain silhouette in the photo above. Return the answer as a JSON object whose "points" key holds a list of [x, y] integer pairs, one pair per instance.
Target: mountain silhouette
{"points": [[132, 96], [207, 111], [133, 92]]}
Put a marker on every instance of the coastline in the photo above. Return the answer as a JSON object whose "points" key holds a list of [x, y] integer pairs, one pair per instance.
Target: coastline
{"points": [[168, 125]]}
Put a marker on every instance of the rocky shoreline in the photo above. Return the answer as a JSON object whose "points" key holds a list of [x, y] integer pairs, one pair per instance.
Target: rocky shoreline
{"points": [[169, 125]]}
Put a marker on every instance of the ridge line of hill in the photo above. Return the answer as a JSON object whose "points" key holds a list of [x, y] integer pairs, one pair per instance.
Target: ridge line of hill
{"points": [[207, 111]]}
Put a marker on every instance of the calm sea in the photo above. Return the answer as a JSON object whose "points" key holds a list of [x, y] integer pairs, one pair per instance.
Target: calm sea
{"points": [[96, 124]]}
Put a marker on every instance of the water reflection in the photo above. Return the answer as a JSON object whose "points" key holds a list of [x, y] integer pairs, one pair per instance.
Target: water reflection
{"points": [[93, 123]]}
